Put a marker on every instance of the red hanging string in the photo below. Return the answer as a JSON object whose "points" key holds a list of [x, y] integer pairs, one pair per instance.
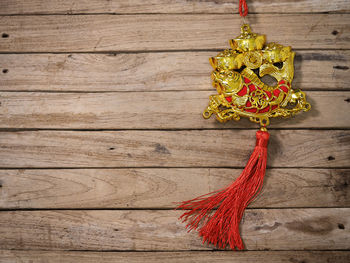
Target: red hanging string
{"points": [[243, 8]]}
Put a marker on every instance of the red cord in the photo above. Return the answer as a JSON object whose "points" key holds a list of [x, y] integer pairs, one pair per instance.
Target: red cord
{"points": [[243, 5]]}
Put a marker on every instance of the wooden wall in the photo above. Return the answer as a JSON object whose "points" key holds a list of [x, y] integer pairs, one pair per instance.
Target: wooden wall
{"points": [[101, 131]]}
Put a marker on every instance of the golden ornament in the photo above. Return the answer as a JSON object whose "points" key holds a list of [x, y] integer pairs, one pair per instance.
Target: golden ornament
{"points": [[241, 92]]}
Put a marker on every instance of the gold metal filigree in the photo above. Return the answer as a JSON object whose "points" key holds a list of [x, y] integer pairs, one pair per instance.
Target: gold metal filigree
{"points": [[241, 93]]}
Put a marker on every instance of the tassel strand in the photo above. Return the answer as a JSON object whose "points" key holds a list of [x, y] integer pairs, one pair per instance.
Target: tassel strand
{"points": [[220, 227]]}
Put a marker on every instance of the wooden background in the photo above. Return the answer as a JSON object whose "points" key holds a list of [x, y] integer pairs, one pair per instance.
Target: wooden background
{"points": [[101, 131]]}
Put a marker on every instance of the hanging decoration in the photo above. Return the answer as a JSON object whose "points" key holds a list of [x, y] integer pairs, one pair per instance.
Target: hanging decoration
{"points": [[241, 93]]}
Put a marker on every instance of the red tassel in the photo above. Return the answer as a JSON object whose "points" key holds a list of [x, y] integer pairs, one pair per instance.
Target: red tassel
{"points": [[220, 227]]}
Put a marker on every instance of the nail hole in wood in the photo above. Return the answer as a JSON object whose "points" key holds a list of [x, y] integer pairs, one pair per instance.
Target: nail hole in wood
{"points": [[341, 67], [347, 100], [4, 35], [112, 148], [331, 158], [5, 70], [341, 226], [335, 32]]}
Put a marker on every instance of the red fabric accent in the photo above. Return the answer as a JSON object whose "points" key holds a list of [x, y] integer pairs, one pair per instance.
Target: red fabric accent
{"points": [[229, 99], [248, 104], [243, 91], [251, 88], [220, 227], [268, 94], [243, 8], [276, 92], [266, 109], [284, 88], [246, 80], [251, 110], [281, 82], [274, 107]]}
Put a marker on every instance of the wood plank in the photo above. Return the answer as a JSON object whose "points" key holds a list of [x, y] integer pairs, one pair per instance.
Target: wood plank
{"points": [[150, 110], [18, 256], [166, 32], [196, 148], [271, 229], [167, 6], [323, 69], [163, 188]]}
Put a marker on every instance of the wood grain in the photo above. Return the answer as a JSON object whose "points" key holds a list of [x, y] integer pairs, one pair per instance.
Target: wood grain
{"points": [[163, 188], [124, 100], [15, 256], [167, 6], [166, 32], [150, 110], [314, 70], [204, 148], [282, 229]]}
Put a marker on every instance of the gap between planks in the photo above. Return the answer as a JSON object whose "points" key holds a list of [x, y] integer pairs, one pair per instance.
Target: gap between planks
{"points": [[314, 256], [71, 7]]}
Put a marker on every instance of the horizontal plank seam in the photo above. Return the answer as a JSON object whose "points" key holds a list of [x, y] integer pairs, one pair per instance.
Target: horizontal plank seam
{"points": [[116, 52], [167, 167], [144, 91], [184, 168], [172, 13], [111, 52], [211, 250], [157, 208], [171, 130], [14, 130]]}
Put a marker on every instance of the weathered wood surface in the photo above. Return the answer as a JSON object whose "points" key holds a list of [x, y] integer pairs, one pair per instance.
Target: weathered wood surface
{"points": [[167, 6], [163, 188], [196, 148], [314, 70], [305, 200], [150, 110], [275, 229], [16, 256], [166, 32]]}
